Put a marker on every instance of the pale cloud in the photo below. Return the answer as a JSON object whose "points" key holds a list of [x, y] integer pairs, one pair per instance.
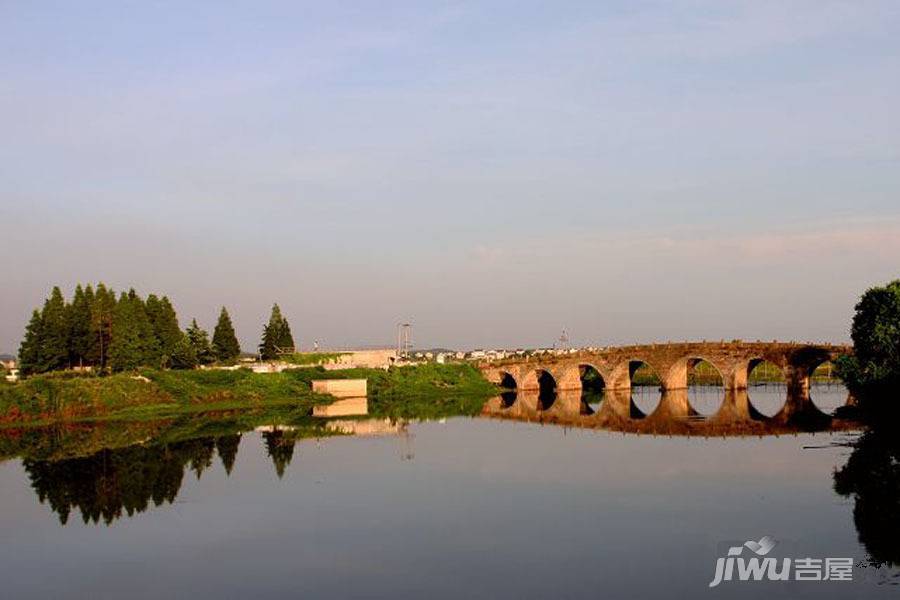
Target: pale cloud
{"points": [[858, 240]]}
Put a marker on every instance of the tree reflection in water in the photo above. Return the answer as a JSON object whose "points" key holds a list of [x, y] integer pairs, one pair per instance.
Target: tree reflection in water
{"points": [[112, 483], [872, 477], [280, 449]]}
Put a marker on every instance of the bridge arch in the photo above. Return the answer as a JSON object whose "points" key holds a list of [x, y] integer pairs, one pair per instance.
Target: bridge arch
{"points": [[801, 375], [680, 373], [642, 373], [582, 376], [622, 374], [543, 382], [761, 370], [507, 381], [705, 382], [645, 382], [703, 371]]}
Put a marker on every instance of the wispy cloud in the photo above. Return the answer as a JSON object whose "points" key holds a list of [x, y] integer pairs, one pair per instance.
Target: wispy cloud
{"points": [[824, 240]]}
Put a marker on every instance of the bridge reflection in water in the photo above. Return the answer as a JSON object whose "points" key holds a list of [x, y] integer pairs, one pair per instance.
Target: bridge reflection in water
{"points": [[673, 415]]}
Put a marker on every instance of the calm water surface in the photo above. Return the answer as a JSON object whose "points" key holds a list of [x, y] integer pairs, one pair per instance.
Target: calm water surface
{"points": [[468, 507]]}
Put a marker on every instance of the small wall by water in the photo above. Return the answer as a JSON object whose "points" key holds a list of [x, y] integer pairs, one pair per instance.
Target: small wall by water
{"points": [[340, 388]]}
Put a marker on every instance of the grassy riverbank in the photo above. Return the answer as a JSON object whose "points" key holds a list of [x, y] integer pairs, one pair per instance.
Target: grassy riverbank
{"points": [[427, 391]]}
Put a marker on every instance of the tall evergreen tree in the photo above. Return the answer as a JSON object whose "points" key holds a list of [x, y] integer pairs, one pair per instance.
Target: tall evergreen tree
{"points": [[267, 347], [166, 331], [199, 341], [55, 339], [30, 356], [133, 343], [225, 345], [183, 355], [103, 310], [276, 336], [79, 319]]}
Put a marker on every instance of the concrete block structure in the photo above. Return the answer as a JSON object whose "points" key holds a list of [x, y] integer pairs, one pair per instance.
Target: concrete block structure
{"points": [[341, 388]]}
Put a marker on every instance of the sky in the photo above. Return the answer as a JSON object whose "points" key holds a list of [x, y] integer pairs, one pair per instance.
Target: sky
{"points": [[492, 172]]}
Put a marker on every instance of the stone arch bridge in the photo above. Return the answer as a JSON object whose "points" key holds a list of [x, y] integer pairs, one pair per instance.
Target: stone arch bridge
{"points": [[671, 362]]}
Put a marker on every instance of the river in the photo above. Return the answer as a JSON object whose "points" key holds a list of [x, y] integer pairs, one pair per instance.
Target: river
{"points": [[464, 507]]}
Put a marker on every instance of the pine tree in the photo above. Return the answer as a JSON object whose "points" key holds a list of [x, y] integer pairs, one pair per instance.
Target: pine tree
{"points": [[149, 343], [103, 310], [79, 318], [183, 355], [225, 345], [285, 338], [267, 349], [133, 343], [166, 331], [199, 341], [30, 357], [276, 336], [55, 338]]}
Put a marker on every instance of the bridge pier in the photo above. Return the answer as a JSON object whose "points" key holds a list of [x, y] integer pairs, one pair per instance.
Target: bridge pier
{"points": [[797, 378], [736, 377], [673, 404], [735, 407]]}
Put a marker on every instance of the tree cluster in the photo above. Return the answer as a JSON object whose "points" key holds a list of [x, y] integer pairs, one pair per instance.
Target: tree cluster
{"points": [[874, 368], [100, 330]]}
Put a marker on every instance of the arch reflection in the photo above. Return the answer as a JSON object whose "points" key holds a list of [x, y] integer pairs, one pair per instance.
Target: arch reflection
{"points": [[673, 415]]}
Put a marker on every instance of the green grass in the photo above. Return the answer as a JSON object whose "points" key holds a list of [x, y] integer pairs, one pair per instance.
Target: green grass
{"points": [[426, 391], [64, 416]]}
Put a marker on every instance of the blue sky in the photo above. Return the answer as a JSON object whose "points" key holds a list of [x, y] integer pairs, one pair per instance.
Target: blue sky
{"points": [[492, 171]]}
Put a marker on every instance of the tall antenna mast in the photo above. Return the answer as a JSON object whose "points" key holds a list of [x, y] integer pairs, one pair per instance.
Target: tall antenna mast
{"points": [[404, 334]]}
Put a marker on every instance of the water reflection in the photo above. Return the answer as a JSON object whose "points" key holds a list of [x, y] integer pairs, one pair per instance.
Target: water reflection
{"points": [[478, 492], [871, 477], [343, 408], [672, 412], [280, 448], [110, 484], [109, 472]]}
